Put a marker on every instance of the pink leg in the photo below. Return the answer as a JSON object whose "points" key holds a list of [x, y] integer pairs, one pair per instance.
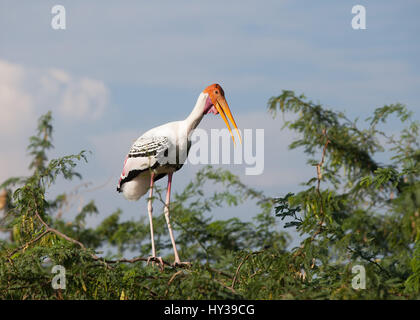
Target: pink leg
{"points": [[150, 210], [171, 234]]}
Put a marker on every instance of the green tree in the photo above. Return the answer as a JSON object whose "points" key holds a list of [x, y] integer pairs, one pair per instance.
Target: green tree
{"points": [[354, 211]]}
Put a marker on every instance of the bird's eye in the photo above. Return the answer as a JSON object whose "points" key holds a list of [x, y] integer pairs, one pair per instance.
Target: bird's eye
{"points": [[216, 92]]}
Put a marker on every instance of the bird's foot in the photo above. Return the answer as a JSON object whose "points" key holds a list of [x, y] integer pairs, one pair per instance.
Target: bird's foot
{"points": [[181, 264], [156, 260]]}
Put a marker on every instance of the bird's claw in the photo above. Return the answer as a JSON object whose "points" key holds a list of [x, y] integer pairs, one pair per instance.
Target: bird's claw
{"points": [[157, 260]]}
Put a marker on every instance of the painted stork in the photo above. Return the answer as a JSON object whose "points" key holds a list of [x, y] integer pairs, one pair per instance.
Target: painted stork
{"points": [[163, 150]]}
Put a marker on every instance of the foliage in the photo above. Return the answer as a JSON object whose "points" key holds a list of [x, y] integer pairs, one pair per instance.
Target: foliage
{"points": [[355, 211]]}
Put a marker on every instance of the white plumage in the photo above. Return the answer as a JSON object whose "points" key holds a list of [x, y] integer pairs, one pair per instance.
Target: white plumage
{"points": [[162, 151], [150, 151]]}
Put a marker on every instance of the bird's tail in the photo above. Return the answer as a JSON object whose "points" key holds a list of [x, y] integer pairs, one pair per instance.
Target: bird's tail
{"points": [[136, 188]]}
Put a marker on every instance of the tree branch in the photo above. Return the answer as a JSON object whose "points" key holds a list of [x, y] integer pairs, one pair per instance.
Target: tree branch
{"points": [[240, 266]]}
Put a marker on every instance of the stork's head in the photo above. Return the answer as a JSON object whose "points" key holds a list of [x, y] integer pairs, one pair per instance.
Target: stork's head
{"points": [[216, 103]]}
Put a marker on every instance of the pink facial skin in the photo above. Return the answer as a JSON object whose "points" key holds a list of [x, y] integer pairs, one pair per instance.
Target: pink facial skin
{"points": [[210, 108]]}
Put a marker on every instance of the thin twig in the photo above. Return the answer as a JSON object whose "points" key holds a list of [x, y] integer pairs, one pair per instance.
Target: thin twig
{"points": [[369, 260], [220, 272], [133, 260], [225, 286], [240, 266], [28, 243], [319, 167], [174, 276], [319, 178]]}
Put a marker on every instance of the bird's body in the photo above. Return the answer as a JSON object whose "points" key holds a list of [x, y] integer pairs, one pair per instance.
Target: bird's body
{"points": [[172, 138], [135, 178], [163, 150]]}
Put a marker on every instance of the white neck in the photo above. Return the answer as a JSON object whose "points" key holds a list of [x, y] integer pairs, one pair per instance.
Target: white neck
{"points": [[192, 121]]}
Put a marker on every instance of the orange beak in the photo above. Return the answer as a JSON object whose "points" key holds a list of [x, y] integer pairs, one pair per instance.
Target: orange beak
{"points": [[218, 99], [223, 109]]}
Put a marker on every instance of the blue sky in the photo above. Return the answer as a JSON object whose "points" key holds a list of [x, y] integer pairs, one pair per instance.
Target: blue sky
{"points": [[122, 67]]}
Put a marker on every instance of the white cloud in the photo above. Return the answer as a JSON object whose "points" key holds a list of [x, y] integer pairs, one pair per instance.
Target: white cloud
{"points": [[26, 93], [24, 90], [17, 106], [75, 98], [84, 99]]}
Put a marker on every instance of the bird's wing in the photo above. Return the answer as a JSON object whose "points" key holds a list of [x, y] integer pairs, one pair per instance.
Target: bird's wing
{"points": [[149, 147], [144, 154]]}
